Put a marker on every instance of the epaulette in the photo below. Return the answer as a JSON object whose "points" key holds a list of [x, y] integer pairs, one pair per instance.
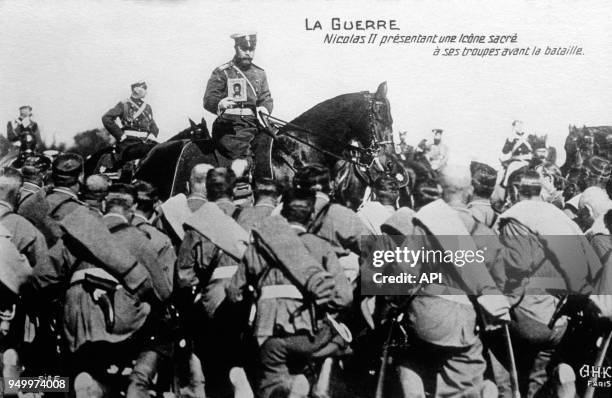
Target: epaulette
{"points": [[226, 65], [256, 67]]}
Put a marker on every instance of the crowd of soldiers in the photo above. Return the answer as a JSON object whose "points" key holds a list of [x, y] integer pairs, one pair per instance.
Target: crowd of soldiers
{"points": [[102, 279], [237, 286]]}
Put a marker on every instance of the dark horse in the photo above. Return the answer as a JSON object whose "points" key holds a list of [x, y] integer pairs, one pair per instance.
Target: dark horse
{"points": [[350, 134], [583, 143]]}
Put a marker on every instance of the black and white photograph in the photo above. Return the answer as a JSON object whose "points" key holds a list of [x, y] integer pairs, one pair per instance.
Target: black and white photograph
{"points": [[306, 199]]}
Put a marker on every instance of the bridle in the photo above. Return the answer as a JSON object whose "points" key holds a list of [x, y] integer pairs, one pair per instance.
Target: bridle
{"points": [[365, 156]]}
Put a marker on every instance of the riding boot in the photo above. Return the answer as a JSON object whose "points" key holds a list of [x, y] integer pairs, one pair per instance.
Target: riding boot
{"points": [[141, 378]]}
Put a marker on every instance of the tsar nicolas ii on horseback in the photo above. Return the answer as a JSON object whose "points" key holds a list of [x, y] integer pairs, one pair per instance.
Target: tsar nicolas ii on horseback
{"points": [[235, 261]]}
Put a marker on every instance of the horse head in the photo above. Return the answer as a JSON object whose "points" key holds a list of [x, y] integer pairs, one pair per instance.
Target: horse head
{"points": [[195, 131]]}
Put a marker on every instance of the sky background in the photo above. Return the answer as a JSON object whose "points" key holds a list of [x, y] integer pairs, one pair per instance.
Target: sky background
{"points": [[73, 60]]}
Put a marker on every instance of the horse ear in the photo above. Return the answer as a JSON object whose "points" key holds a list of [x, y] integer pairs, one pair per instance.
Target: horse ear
{"points": [[381, 92], [192, 124]]}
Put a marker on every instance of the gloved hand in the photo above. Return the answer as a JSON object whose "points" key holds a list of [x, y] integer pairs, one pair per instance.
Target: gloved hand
{"points": [[262, 109], [224, 104]]}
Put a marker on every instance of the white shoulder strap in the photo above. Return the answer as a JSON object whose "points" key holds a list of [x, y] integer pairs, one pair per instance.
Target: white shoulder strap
{"points": [[140, 109]]}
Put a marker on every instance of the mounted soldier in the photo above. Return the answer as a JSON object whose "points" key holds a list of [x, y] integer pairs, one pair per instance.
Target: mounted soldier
{"points": [[24, 125], [235, 129], [138, 131], [436, 152]]}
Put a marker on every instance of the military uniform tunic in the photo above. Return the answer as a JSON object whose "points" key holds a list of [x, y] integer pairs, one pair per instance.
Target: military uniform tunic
{"points": [[217, 89], [234, 130], [28, 240], [125, 111], [162, 245]]}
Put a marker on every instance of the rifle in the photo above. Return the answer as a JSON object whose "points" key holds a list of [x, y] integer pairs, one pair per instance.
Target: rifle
{"points": [[394, 320]]}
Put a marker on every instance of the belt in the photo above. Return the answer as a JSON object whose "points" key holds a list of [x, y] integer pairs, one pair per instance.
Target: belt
{"points": [[225, 272], [137, 134], [79, 275], [280, 291], [239, 112]]}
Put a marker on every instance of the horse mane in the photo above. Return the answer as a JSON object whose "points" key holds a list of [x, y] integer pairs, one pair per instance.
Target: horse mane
{"points": [[346, 113]]}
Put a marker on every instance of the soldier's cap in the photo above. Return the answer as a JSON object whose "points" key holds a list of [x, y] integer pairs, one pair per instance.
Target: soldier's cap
{"points": [[267, 185], [67, 166], [600, 167], [436, 131], [428, 191], [242, 189], [145, 192], [34, 165], [294, 198], [386, 184], [247, 40], [315, 177], [483, 175], [530, 179], [140, 83], [122, 191], [25, 107]]}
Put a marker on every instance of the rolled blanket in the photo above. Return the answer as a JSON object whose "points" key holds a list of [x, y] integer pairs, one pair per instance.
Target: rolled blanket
{"points": [[211, 222]]}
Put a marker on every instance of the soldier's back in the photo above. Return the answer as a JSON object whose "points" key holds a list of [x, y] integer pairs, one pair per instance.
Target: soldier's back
{"points": [[250, 216], [61, 203], [139, 245], [163, 247]]}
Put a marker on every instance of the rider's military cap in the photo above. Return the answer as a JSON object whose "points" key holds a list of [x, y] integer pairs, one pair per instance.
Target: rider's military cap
{"points": [[436, 131], [600, 167], [25, 107], [140, 83], [245, 39], [67, 166]]}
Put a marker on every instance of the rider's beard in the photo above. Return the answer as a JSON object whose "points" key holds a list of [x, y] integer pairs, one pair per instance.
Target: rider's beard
{"points": [[244, 62], [437, 141]]}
